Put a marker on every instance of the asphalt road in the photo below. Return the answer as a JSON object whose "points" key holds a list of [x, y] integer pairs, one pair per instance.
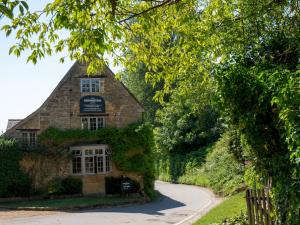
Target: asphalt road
{"points": [[178, 205]]}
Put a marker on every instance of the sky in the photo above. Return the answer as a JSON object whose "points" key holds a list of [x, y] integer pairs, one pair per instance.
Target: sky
{"points": [[24, 86]]}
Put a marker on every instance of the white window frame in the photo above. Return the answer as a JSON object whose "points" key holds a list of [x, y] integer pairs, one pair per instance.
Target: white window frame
{"points": [[89, 118], [29, 138], [99, 152], [90, 85], [77, 155]]}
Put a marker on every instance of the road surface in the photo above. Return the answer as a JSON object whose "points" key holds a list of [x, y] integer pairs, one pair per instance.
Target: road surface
{"points": [[178, 204]]}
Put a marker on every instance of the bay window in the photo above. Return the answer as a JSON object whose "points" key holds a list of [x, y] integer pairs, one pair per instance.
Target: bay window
{"points": [[94, 159]]}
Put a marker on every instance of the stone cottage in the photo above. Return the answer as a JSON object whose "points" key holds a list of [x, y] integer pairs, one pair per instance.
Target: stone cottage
{"points": [[83, 102]]}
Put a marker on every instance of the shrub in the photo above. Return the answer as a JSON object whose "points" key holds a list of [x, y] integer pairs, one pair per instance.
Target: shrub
{"points": [[224, 172], [236, 220], [72, 185], [182, 168], [55, 187], [14, 182], [219, 166], [65, 186]]}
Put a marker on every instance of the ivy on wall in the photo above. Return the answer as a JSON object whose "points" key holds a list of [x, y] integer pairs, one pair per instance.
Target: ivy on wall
{"points": [[131, 147], [13, 181]]}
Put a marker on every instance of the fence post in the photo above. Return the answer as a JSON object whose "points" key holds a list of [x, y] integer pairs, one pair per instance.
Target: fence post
{"points": [[249, 207], [258, 206], [255, 202]]}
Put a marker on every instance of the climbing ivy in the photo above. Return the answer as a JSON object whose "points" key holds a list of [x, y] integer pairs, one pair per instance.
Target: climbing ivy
{"points": [[131, 147], [13, 181]]}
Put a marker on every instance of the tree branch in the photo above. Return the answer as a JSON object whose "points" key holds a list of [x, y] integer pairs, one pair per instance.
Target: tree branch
{"points": [[166, 2]]}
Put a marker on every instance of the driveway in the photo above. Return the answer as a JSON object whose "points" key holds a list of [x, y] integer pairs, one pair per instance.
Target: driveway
{"points": [[178, 204]]}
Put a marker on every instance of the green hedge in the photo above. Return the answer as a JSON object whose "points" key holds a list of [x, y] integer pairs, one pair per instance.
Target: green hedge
{"points": [[181, 168], [225, 173], [214, 166], [65, 186], [13, 181], [131, 147]]}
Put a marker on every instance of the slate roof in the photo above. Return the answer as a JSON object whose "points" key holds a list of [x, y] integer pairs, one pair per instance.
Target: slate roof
{"points": [[12, 122]]}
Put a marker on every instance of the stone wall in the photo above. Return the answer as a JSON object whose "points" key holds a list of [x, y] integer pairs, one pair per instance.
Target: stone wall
{"points": [[61, 109], [43, 169]]}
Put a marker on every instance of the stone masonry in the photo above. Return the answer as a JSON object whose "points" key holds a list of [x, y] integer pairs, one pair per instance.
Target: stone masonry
{"points": [[61, 109]]}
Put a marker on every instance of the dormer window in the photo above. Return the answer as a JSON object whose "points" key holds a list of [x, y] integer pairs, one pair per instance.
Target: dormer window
{"points": [[29, 138], [90, 85]]}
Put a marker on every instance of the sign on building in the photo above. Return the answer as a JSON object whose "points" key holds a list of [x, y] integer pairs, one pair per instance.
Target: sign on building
{"points": [[92, 104]]}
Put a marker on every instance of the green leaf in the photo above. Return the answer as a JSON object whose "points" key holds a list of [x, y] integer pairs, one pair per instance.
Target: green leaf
{"points": [[6, 11], [5, 27], [8, 32], [25, 4], [11, 49], [21, 9]]}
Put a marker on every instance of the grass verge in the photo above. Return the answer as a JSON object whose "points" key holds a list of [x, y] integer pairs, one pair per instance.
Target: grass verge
{"points": [[232, 206], [70, 203]]}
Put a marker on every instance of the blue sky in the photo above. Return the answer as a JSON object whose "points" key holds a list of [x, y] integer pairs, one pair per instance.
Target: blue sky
{"points": [[24, 86]]}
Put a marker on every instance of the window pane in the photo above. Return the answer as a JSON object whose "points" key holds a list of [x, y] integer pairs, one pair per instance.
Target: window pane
{"points": [[25, 138], [32, 138], [84, 123], [88, 152], [85, 85], [29, 138], [100, 165], [100, 122], [95, 85], [89, 164], [93, 123], [76, 162], [98, 151]]}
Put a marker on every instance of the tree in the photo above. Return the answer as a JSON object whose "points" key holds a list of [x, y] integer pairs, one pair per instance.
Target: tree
{"points": [[256, 45], [134, 79], [190, 120], [250, 47], [7, 7], [93, 27]]}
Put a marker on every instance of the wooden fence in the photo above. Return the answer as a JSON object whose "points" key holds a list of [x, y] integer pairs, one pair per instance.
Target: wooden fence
{"points": [[259, 207]]}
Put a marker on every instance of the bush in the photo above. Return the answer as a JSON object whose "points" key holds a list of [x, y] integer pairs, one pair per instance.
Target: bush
{"points": [[72, 185], [55, 187], [65, 186], [236, 220], [182, 168], [14, 182], [225, 174], [219, 166]]}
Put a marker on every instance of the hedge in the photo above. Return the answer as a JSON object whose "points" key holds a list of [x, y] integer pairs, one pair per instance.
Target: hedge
{"points": [[13, 181]]}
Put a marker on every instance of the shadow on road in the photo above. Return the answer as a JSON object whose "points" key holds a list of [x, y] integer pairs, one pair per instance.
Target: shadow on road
{"points": [[151, 208]]}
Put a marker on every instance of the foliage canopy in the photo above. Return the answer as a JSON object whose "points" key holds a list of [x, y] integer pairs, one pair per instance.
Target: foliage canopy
{"points": [[251, 48]]}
